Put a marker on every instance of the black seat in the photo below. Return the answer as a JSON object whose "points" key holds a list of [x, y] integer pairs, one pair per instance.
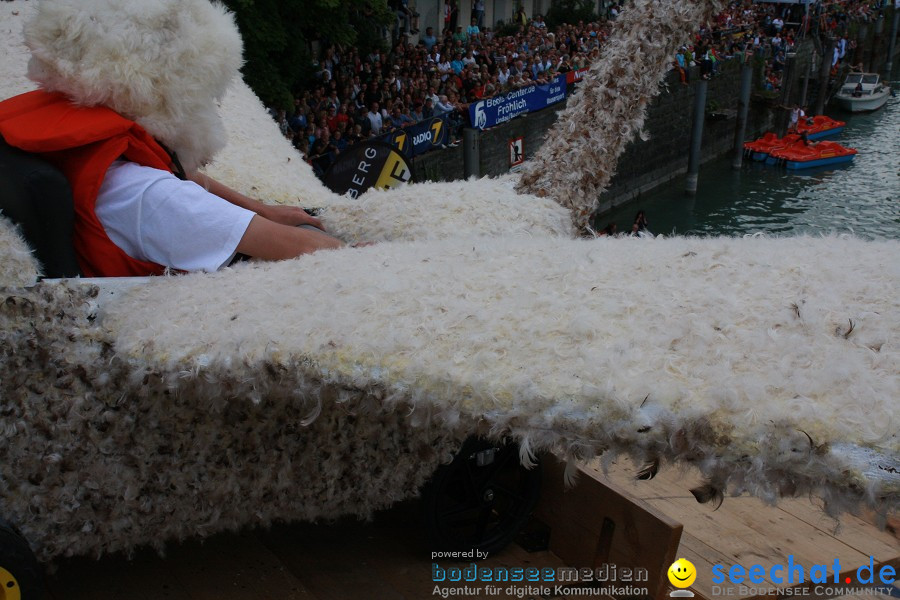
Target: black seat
{"points": [[36, 196]]}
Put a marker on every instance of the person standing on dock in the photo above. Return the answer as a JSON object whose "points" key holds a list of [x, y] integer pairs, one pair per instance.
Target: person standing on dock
{"points": [[797, 113], [842, 47]]}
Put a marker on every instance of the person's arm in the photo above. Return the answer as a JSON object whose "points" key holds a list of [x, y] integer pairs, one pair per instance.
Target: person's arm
{"points": [[268, 240], [285, 215]]}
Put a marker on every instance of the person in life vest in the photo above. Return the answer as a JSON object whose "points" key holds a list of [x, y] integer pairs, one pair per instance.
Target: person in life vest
{"points": [[127, 111]]}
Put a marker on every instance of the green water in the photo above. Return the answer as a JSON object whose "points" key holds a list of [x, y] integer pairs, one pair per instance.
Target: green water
{"points": [[861, 197]]}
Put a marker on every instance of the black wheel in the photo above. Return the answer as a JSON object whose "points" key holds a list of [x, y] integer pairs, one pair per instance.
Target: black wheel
{"points": [[482, 499], [21, 577]]}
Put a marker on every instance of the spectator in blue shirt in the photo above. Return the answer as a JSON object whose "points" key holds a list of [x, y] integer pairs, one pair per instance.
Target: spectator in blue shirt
{"points": [[443, 106], [478, 13], [338, 141], [473, 30], [298, 121], [429, 40], [457, 64], [398, 119], [417, 113]]}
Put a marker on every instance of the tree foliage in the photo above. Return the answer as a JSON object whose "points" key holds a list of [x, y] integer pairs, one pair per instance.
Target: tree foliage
{"points": [[570, 11], [279, 38]]}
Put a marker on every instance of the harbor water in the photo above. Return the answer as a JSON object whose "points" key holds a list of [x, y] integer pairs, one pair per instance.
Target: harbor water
{"points": [[861, 197]]}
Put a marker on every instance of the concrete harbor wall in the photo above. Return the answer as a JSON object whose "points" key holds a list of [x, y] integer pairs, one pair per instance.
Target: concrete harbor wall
{"points": [[644, 164], [648, 164]]}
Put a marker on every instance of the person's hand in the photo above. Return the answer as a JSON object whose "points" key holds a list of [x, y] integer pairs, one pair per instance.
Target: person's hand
{"points": [[289, 215]]}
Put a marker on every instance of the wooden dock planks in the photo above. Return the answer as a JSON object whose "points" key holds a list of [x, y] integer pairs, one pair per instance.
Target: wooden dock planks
{"points": [[746, 531], [387, 558], [596, 522]]}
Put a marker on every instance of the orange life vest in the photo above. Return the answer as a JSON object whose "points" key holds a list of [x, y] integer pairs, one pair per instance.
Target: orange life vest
{"points": [[83, 142]]}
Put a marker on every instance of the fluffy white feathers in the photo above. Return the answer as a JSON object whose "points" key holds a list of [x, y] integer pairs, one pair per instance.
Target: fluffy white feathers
{"points": [[608, 109], [728, 352], [163, 63], [18, 266]]}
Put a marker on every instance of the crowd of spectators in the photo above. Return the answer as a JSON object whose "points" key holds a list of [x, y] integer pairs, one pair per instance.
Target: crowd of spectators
{"points": [[771, 31], [361, 96]]}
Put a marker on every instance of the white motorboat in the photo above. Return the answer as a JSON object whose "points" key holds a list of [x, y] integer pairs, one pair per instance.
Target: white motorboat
{"points": [[862, 92]]}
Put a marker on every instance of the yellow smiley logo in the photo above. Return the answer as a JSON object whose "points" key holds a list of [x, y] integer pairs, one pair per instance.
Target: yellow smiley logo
{"points": [[682, 573]]}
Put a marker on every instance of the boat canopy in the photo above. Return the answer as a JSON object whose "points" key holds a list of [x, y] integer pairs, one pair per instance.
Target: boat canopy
{"points": [[866, 78]]}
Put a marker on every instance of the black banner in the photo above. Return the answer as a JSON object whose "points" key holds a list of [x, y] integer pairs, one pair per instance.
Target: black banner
{"points": [[368, 164]]}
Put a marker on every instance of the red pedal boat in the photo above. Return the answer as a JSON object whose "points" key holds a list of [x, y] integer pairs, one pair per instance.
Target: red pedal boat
{"points": [[760, 149], [820, 126], [799, 155]]}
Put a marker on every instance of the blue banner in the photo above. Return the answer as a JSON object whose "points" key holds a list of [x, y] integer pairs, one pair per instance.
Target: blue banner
{"points": [[419, 138], [500, 109]]}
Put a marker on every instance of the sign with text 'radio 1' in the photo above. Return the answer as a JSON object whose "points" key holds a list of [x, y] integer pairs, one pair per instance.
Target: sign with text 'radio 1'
{"points": [[370, 164], [419, 138]]}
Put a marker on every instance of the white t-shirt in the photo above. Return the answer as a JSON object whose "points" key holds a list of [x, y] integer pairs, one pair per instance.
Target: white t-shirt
{"points": [[376, 121], [154, 216]]}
